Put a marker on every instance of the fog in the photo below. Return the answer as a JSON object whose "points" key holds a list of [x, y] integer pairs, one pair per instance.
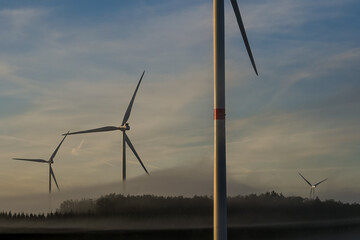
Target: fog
{"points": [[188, 180]]}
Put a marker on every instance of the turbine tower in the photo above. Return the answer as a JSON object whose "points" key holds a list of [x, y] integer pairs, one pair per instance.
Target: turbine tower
{"points": [[220, 195], [312, 187], [50, 161], [123, 128]]}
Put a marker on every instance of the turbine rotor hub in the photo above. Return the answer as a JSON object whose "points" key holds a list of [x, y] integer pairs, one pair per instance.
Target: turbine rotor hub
{"points": [[125, 127]]}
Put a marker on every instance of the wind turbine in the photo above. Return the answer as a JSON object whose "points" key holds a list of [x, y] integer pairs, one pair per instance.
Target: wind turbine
{"points": [[220, 205], [123, 128], [50, 161], [312, 187]]}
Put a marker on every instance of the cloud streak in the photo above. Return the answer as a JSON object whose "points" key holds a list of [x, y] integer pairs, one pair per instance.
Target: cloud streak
{"points": [[75, 151]]}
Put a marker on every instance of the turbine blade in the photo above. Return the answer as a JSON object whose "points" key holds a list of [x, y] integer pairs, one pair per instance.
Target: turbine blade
{"points": [[321, 182], [53, 175], [56, 150], [102, 129], [243, 32], [128, 110], [31, 160], [134, 151], [305, 179]]}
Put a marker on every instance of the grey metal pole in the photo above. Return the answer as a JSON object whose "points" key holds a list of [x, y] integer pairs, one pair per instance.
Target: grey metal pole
{"points": [[123, 158], [314, 194], [49, 177], [50, 210], [220, 205], [123, 175]]}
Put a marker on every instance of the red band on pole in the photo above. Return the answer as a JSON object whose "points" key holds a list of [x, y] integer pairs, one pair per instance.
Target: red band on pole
{"points": [[219, 113]]}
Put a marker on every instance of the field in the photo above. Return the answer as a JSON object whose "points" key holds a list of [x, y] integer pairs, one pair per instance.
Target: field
{"points": [[344, 230]]}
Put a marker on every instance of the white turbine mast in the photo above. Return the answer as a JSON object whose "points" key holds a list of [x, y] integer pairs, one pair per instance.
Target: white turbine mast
{"points": [[50, 162], [123, 128], [220, 195], [312, 187]]}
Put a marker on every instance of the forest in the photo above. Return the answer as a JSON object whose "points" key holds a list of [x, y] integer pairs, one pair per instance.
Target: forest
{"points": [[270, 207]]}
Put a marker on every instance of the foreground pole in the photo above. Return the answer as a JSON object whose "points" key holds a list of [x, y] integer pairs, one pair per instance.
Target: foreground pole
{"points": [[220, 208]]}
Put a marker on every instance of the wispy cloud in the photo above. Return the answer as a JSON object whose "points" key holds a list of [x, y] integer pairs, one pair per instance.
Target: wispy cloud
{"points": [[285, 16], [20, 18], [75, 151]]}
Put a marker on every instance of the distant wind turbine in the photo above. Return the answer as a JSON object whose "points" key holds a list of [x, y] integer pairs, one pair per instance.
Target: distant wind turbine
{"points": [[220, 195], [124, 127], [50, 161], [312, 187]]}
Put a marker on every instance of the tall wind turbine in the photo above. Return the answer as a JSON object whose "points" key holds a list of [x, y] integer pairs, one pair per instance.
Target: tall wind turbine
{"points": [[50, 161], [124, 127], [312, 187], [220, 205]]}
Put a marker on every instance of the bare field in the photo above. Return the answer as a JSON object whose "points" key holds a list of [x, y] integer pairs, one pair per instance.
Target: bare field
{"points": [[345, 230]]}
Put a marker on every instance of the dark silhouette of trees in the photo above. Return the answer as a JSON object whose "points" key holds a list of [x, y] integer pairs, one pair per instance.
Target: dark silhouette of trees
{"points": [[82, 206], [264, 208]]}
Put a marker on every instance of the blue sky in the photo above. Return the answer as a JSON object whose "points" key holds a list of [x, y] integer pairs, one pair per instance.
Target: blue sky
{"points": [[73, 65]]}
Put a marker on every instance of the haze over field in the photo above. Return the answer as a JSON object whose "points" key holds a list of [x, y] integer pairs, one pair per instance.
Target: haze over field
{"points": [[73, 65]]}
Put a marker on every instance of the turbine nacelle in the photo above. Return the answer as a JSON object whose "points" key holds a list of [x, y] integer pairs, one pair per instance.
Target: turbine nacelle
{"points": [[312, 187], [50, 161], [124, 127]]}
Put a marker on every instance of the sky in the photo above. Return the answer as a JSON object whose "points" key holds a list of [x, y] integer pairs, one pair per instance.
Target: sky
{"points": [[73, 65]]}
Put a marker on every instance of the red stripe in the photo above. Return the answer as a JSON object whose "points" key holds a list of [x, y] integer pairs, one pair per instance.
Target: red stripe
{"points": [[219, 113]]}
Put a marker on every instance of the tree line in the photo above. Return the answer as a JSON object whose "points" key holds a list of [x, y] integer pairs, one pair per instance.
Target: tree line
{"points": [[266, 207]]}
